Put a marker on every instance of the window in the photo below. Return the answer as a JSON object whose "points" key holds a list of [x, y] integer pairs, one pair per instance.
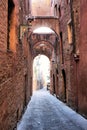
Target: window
{"points": [[66, 1], [61, 38], [69, 27], [55, 10], [10, 11], [59, 11]]}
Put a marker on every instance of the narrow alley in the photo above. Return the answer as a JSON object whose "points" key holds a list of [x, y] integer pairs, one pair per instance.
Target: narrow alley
{"points": [[43, 43], [42, 114]]}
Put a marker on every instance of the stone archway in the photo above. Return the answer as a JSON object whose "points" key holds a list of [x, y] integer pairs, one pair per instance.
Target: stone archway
{"points": [[44, 43], [45, 21], [41, 72]]}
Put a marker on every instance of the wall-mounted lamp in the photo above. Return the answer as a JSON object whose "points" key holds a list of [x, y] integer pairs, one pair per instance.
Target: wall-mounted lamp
{"points": [[27, 27], [76, 57], [23, 30], [30, 18]]}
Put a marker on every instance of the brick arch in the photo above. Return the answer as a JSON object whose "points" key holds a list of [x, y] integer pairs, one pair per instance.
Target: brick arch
{"points": [[51, 38], [47, 43], [46, 54], [50, 22], [39, 50], [42, 54]]}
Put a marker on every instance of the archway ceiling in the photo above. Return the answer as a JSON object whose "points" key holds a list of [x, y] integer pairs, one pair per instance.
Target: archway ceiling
{"points": [[42, 44], [51, 38], [42, 50], [42, 47], [46, 21]]}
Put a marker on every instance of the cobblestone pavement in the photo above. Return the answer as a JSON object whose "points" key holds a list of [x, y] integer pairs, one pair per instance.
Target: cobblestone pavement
{"points": [[45, 112]]}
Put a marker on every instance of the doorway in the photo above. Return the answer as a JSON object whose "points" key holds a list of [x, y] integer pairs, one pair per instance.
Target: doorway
{"points": [[57, 80], [41, 72], [53, 83], [64, 84], [25, 90]]}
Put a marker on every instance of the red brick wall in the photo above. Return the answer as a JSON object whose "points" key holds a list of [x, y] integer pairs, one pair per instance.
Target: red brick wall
{"points": [[78, 68], [82, 68], [65, 48], [13, 68], [74, 64], [75, 70], [3, 25]]}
